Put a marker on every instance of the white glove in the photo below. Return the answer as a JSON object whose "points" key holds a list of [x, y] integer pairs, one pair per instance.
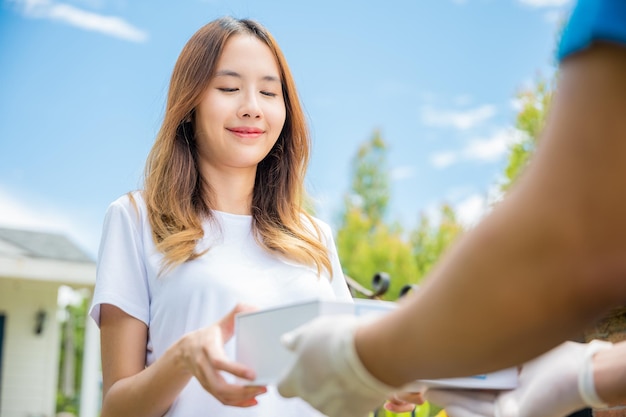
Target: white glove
{"points": [[328, 373], [555, 384]]}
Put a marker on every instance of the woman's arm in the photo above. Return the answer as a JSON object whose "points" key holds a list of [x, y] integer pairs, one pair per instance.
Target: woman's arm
{"points": [[131, 389]]}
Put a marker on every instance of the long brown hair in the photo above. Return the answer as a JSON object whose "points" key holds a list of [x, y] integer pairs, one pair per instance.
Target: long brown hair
{"points": [[177, 197]]}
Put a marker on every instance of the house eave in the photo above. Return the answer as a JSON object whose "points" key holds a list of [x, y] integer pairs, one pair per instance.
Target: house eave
{"points": [[48, 270]]}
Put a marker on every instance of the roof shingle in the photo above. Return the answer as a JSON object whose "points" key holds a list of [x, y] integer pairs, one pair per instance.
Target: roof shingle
{"points": [[41, 245]]}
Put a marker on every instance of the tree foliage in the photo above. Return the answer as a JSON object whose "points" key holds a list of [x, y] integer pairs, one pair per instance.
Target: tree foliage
{"points": [[429, 241], [366, 243], [370, 182], [531, 118], [71, 357]]}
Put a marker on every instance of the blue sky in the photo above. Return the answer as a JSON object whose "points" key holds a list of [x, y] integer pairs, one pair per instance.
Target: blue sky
{"points": [[83, 86]]}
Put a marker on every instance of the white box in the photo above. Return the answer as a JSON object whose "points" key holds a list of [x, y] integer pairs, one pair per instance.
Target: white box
{"points": [[499, 380], [258, 342]]}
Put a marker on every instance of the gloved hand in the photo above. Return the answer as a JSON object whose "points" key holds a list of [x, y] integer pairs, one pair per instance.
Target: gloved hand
{"points": [[555, 384], [328, 373]]}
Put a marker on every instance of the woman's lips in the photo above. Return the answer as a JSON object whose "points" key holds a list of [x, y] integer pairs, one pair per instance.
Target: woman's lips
{"points": [[246, 132]]}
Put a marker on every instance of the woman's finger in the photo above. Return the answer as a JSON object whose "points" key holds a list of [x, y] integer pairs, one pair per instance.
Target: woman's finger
{"points": [[409, 397], [230, 394], [235, 368], [227, 323], [399, 406]]}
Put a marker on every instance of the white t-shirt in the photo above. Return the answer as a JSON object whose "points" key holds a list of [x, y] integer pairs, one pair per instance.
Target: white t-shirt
{"points": [[200, 292]]}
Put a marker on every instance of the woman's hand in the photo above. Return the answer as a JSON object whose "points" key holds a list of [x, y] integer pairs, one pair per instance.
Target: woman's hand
{"points": [[404, 402], [202, 353]]}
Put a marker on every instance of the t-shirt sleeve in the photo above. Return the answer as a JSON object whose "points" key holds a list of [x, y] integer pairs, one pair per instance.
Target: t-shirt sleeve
{"points": [[593, 20], [121, 278]]}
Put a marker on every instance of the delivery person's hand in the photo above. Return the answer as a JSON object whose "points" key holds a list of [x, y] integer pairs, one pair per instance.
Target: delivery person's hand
{"points": [[555, 384], [328, 373]]}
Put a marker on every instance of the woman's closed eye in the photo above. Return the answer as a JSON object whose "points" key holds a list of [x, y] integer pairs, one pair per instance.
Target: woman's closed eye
{"points": [[235, 89]]}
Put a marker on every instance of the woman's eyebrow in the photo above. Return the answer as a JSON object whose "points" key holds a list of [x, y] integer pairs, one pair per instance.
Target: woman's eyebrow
{"points": [[227, 73], [231, 73]]}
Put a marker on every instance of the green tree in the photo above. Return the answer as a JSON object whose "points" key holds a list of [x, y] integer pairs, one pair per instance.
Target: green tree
{"points": [[535, 103], [429, 241], [71, 359], [365, 242], [370, 182]]}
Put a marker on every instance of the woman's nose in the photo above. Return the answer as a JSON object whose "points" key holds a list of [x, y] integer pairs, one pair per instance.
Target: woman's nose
{"points": [[250, 107]]}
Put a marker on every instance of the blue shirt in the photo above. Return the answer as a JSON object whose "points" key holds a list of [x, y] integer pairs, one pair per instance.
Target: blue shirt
{"points": [[593, 20]]}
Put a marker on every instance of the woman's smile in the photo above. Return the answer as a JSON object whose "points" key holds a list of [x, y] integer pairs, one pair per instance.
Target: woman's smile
{"points": [[246, 132]]}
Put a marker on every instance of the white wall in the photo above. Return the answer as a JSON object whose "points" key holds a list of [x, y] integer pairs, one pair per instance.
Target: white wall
{"points": [[30, 361]]}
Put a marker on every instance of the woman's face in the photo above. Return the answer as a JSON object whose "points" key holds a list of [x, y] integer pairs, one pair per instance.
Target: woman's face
{"points": [[242, 111]]}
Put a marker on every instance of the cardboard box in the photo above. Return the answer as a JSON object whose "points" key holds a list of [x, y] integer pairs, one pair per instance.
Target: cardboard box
{"points": [[258, 342]]}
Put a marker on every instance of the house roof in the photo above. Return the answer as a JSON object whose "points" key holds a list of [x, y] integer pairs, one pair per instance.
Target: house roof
{"points": [[43, 245]]}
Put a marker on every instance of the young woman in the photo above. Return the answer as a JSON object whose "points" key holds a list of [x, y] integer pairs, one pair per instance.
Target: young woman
{"points": [[219, 224]]}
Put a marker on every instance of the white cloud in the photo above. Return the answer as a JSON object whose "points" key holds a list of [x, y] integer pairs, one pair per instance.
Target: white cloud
{"points": [[517, 104], [469, 207], [470, 210], [73, 16], [402, 173], [433, 212], [462, 100], [554, 16], [545, 3], [492, 148], [459, 192], [461, 120], [443, 159], [481, 149], [17, 213], [22, 213]]}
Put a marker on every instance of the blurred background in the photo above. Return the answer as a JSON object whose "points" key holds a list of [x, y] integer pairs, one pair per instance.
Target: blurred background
{"points": [[422, 114]]}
